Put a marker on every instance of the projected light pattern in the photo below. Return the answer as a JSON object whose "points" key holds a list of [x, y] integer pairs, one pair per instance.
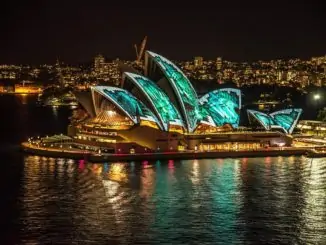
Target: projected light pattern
{"points": [[133, 107], [264, 119], [286, 119], [183, 89], [223, 106], [207, 119], [165, 110]]}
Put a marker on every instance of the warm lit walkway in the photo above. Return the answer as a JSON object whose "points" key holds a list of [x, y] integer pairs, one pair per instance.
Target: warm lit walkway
{"points": [[95, 157]]}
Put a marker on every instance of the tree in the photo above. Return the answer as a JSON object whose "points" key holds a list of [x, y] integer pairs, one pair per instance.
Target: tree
{"points": [[322, 115]]}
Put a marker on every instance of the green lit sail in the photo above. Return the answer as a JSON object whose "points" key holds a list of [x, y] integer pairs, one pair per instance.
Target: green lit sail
{"points": [[286, 119], [133, 107], [223, 106], [165, 110], [264, 119], [183, 89]]}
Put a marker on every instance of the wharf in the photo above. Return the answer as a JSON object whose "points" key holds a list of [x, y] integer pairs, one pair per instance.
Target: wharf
{"points": [[94, 157]]}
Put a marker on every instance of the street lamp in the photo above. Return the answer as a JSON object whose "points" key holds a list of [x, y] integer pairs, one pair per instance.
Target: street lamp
{"points": [[317, 97]]}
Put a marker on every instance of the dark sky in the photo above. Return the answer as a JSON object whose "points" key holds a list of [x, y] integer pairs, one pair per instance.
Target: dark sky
{"points": [[40, 31]]}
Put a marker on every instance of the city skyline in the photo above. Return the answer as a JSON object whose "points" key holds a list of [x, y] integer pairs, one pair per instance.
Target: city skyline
{"points": [[41, 32]]}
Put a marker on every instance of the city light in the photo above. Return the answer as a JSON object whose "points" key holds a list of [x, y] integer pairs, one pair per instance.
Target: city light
{"points": [[317, 97]]}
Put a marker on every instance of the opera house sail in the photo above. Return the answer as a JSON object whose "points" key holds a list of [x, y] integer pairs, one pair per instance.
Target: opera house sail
{"points": [[284, 119], [223, 106], [177, 86], [104, 97], [160, 102]]}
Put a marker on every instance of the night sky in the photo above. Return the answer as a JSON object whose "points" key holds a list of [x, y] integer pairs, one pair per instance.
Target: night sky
{"points": [[38, 32]]}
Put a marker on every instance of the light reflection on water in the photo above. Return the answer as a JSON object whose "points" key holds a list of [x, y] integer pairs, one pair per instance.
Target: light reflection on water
{"points": [[222, 201]]}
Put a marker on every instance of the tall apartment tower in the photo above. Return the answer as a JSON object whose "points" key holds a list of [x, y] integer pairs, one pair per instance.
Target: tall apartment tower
{"points": [[99, 63], [198, 61], [218, 63]]}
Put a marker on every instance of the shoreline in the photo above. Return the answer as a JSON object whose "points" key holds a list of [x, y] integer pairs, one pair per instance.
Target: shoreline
{"points": [[93, 157]]}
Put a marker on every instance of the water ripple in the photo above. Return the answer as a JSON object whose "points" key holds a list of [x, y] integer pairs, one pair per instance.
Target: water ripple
{"points": [[278, 200]]}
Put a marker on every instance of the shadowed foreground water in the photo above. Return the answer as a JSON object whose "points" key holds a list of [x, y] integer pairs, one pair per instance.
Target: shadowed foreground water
{"points": [[229, 201]]}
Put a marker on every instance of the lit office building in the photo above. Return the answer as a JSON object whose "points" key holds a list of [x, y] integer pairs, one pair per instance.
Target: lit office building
{"points": [[198, 61], [218, 63], [99, 64]]}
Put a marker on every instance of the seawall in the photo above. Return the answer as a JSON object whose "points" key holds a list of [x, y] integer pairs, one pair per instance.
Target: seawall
{"points": [[92, 157]]}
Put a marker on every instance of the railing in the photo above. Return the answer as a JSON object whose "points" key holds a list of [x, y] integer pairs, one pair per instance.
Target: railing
{"points": [[54, 149]]}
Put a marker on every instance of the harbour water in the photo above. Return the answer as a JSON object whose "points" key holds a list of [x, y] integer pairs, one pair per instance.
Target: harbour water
{"points": [[279, 200]]}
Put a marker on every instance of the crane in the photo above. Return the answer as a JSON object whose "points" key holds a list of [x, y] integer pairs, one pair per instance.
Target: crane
{"points": [[139, 54], [136, 48]]}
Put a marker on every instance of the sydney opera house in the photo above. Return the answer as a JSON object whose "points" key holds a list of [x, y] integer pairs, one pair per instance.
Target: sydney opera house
{"points": [[161, 111]]}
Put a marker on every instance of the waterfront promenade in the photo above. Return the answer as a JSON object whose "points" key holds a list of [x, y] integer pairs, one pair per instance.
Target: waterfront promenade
{"points": [[104, 157]]}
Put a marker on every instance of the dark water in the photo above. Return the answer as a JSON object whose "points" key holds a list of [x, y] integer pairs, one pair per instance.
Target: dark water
{"points": [[222, 201]]}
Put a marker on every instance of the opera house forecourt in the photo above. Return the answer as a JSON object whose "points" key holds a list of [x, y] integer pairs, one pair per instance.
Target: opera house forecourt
{"points": [[159, 112]]}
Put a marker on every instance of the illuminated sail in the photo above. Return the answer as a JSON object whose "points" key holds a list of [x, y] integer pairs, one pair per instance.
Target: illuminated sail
{"points": [[163, 107], [185, 93], [222, 106], [124, 100], [285, 119]]}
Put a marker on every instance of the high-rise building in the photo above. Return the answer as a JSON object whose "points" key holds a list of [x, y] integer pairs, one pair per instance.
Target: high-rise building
{"points": [[248, 70], [318, 60], [281, 75], [290, 75], [198, 61], [218, 63], [99, 64], [59, 73]]}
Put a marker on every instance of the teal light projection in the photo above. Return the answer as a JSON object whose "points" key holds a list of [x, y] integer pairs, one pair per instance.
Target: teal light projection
{"points": [[183, 89], [133, 107], [286, 119], [223, 106], [165, 110], [264, 119]]}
